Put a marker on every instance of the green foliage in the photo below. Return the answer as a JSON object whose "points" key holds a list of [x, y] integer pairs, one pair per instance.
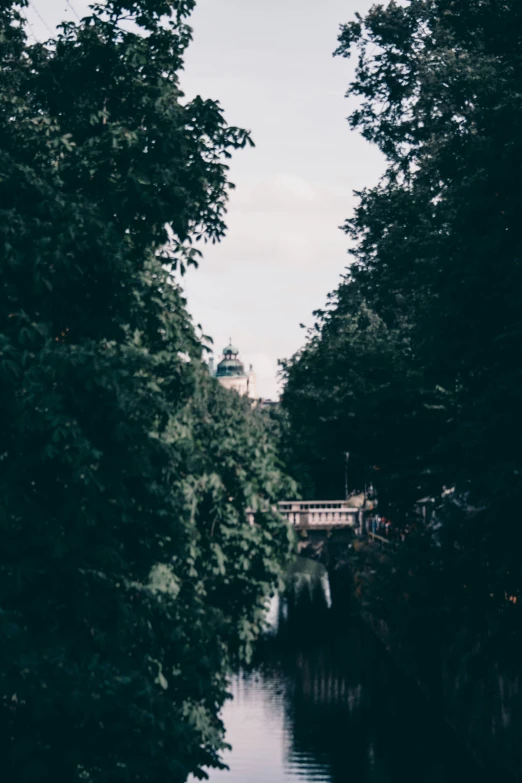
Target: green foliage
{"points": [[413, 368], [439, 82], [129, 570], [436, 249], [356, 387]]}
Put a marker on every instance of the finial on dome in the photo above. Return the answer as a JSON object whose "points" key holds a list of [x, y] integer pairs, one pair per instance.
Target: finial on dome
{"points": [[230, 350]]}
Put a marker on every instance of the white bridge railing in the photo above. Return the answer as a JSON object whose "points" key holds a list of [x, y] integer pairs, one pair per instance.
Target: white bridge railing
{"points": [[319, 514]]}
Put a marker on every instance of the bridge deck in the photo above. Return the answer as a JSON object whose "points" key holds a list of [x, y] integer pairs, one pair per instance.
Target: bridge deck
{"points": [[324, 514], [318, 514]]}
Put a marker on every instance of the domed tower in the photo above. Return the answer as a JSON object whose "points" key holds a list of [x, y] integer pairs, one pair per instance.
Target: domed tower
{"points": [[231, 373]]}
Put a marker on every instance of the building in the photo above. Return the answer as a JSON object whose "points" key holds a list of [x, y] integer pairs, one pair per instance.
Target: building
{"points": [[231, 373]]}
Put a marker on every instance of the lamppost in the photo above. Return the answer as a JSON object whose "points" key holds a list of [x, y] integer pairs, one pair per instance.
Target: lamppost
{"points": [[346, 459]]}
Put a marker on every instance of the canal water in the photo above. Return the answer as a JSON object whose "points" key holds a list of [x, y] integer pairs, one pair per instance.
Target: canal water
{"points": [[323, 702]]}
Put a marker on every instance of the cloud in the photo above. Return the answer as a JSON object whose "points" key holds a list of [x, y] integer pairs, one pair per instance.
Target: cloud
{"points": [[279, 192], [286, 194], [285, 222]]}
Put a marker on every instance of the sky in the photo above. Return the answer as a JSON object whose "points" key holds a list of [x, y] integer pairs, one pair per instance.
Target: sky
{"points": [[270, 65]]}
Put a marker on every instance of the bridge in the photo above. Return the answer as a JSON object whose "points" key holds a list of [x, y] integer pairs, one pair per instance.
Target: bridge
{"points": [[318, 514], [321, 514]]}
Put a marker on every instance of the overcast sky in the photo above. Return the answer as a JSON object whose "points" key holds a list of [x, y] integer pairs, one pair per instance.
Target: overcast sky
{"points": [[270, 64]]}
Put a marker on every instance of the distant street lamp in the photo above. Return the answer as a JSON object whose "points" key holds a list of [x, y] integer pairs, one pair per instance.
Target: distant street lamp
{"points": [[346, 459]]}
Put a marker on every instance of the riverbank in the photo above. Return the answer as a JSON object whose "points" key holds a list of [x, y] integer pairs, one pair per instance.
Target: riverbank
{"points": [[474, 696], [480, 700]]}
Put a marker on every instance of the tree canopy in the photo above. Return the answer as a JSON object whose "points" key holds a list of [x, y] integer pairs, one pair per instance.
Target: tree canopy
{"points": [[439, 87], [412, 366], [436, 253], [130, 573], [357, 405]]}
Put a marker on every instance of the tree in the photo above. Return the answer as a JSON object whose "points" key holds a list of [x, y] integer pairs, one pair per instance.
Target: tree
{"points": [[439, 83], [435, 244], [356, 388], [125, 472], [436, 256]]}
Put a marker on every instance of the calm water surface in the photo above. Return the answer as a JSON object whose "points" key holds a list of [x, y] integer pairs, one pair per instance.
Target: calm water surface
{"points": [[324, 703]]}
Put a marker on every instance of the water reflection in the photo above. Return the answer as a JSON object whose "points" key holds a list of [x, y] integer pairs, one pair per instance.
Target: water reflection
{"points": [[323, 703]]}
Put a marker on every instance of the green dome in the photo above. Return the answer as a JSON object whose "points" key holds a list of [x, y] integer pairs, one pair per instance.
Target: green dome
{"points": [[230, 350], [230, 364], [229, 367]]}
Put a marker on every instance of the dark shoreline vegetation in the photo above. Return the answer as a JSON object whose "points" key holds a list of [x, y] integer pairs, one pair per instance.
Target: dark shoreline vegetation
{"points": [[461, 684], [129, 573], [410, 368], [130, 576], [477, 698]]}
